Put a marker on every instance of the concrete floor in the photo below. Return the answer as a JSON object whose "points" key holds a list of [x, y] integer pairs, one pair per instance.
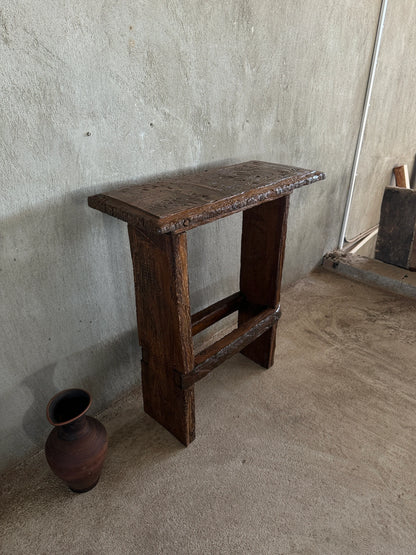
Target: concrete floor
{"points": [[316, 455]]}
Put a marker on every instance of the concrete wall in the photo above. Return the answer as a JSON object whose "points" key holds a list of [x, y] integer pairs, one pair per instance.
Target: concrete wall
{"points": [[96, 94], [390, 133]]}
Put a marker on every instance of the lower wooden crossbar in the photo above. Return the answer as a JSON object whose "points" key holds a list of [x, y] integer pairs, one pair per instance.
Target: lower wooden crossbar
{"points": [[232, 343], [214, 313]]}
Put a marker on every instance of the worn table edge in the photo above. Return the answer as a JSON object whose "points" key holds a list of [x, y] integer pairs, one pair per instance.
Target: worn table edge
{"points": [[200, 215]]}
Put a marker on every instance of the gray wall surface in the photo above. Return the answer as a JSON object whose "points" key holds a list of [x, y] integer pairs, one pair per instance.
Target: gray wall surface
{"points": [[99, 94], [390, 137]]}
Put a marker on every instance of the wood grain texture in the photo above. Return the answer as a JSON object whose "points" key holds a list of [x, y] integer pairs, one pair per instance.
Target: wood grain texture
{"points": [[177, 204], [262, 253], [397, 230], [158, 214], [232, 343], [215, 312], [164, 325], [401, 173], [412, 255]]}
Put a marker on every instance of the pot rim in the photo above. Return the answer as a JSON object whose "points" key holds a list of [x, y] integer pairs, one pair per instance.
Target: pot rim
{"points": [[62, 395]]}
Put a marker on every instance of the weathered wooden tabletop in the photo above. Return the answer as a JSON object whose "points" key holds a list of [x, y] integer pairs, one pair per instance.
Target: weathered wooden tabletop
{"points": [[180, 203]]}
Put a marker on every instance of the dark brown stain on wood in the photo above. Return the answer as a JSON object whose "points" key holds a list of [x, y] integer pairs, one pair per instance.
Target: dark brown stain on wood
{"points": [[232, 343], [216, 312], [181, 203], [158, 215], [262, 252], [164, 327]]}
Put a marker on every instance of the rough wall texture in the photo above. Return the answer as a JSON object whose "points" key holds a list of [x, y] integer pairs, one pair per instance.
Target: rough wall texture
{"points": [[390, 138], [96, 94]]}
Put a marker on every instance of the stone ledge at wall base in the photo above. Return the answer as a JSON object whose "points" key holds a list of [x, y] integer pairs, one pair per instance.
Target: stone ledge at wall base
{"points": [[372, 272], [396, 240], [76, 447]]}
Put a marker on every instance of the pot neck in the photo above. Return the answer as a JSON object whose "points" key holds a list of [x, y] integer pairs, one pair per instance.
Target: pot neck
{"points": [[74, 430]]}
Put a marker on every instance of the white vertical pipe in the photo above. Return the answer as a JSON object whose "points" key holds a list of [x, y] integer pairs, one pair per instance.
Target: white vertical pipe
{"points": [[359, 144]]}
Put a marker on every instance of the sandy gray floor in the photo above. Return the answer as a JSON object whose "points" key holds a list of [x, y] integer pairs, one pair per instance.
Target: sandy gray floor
{"points": [[316, 455]]}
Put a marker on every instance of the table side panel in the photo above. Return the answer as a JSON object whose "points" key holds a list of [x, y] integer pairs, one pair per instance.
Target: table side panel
{"points": [[262, 253], [164, 325]]}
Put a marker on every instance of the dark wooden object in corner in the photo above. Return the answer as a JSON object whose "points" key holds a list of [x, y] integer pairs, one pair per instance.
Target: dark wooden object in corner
{"points": [[159, 213], [396, 240]]}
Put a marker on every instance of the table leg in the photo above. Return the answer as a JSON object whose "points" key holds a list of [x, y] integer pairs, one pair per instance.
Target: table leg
{"points": [[262, 253], [164, 326]]}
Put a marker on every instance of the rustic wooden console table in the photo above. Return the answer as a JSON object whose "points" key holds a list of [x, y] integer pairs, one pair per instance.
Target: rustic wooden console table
{"points": [[158, 215]]}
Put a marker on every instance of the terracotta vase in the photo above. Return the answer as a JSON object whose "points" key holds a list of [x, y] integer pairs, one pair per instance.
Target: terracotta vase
{"points": [[76, 447]]}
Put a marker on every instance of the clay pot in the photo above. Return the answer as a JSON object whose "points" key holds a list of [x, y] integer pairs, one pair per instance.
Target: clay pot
{"points": [[76, 447]]}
